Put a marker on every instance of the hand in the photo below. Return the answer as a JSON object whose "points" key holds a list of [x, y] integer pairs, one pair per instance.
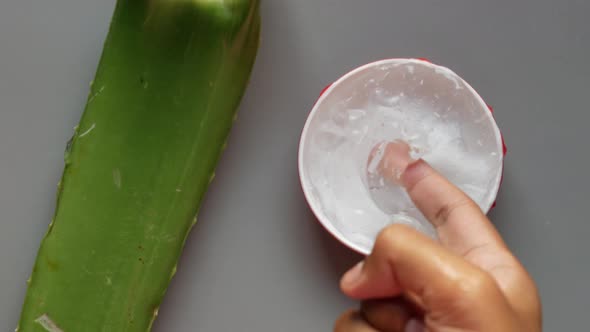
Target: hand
{"points": [[470, 281]]}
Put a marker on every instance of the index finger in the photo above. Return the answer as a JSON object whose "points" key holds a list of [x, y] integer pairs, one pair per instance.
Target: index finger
{"points": [[460, 223], [464, 229]]}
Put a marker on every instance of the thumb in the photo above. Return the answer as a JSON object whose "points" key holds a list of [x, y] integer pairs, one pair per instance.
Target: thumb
{"points": [[449, 290]]}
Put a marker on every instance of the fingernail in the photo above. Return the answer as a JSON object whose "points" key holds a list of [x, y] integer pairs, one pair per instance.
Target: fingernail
{"points": [[414, 325], [353, 276], [415, 171]]}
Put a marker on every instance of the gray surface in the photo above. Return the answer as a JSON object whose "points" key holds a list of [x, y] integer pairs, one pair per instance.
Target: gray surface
{"points": [[257, 261]]}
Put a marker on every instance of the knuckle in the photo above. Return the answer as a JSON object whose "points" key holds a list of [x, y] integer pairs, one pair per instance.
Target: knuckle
{"points": [[525, 294], [478, 286], [391, 235], [388, 234], [445, 212]]}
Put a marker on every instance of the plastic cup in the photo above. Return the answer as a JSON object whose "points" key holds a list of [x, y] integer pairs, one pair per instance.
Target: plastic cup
{"points": [[412, 78]]}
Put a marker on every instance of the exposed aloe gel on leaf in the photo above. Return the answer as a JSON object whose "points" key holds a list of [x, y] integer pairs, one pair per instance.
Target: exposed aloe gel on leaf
{"points": [[170, 79]]}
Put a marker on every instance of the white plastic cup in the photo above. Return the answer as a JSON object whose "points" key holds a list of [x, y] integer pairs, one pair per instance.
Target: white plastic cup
{"points": [[437, 78]]}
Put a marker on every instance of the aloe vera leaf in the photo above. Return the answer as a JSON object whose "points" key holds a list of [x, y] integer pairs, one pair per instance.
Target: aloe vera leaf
{"points": [[165, 95]]}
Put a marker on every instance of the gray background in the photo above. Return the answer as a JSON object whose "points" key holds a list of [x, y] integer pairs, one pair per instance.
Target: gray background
{"points": [[257, 261]]}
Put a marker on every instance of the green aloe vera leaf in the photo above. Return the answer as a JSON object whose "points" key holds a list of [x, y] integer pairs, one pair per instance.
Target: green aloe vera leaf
{"points": [[164, 98]]}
